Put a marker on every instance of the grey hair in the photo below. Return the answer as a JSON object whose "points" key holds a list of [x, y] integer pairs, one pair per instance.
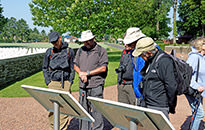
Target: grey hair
{"points": [[198, 43]]}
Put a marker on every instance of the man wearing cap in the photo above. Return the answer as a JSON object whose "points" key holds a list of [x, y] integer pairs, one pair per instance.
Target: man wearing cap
{"points": [[159, 84], [128, 68], [58, 71], [90, 63]]}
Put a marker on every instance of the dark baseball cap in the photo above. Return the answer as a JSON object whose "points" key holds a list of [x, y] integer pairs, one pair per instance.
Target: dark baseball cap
{"points": [[53, 36]]}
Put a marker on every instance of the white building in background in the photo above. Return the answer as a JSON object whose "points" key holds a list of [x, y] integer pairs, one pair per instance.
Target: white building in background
{"points": [[70, 39]]}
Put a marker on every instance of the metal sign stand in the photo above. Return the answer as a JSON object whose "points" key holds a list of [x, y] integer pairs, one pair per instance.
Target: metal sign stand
{"points": [[133, 125], [56, 116]]}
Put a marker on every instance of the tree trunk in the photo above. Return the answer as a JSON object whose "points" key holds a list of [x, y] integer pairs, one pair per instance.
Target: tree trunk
{"points": [[157, 29], [174, 21]]}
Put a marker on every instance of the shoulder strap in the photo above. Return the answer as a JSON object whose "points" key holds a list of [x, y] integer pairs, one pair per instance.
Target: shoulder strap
{"points": [[51, 53], [68, 52], [99, 50], [123, 53], [197, 72]]}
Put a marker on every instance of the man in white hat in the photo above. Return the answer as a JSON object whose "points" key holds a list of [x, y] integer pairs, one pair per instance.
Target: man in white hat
{"points": [[91, 62], [159, 84], [127, 72]]}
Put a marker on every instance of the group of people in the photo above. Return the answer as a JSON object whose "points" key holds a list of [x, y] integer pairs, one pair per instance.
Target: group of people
{"points": [[139, 81]]}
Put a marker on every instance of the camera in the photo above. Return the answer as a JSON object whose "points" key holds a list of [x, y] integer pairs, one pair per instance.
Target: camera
{"points": [[121, 68]]}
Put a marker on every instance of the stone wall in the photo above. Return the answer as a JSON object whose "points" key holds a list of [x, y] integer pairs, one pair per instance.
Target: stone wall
{"points": [[181, 51], [14, 69]]}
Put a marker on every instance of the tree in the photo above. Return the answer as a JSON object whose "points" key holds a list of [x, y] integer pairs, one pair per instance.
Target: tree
{"points": [[174, 5], [161, 9], [192, 17], [3, 20], [101, 16], [10, 29], [22, 28], [44, 35]]}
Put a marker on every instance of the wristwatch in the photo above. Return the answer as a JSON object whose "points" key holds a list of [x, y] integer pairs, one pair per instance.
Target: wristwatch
{"points": [[88, 73]]}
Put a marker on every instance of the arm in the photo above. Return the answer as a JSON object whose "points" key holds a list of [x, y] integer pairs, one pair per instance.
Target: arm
{"points": [[72, 73], [45, 67], [166, 71], [193, 61]]}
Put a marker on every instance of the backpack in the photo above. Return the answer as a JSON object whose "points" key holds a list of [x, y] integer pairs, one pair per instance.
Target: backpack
{"points": [[52, 53], [57, 61], [182, 71]]}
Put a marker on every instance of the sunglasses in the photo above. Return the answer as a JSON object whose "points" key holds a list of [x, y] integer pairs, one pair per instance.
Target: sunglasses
{"points": [[54, 41]]}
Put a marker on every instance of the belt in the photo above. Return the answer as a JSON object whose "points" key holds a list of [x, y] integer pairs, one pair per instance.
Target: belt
{"points": [[127, 82]]}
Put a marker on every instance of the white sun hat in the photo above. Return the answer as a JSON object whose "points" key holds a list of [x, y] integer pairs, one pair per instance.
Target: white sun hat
{"points": [[86, 35], [132, 34]]}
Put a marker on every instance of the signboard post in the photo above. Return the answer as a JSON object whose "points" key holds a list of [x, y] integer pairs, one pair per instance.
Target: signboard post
{"points": [[57, 101]]}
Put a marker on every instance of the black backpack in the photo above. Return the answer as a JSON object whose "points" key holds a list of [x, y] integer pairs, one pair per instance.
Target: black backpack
{"points": [[183, 73]]}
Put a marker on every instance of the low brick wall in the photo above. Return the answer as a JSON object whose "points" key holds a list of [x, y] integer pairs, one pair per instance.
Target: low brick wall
{"points": [[14, 69], [181, 51]]}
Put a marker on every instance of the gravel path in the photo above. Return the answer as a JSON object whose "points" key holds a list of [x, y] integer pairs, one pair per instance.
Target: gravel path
{"points": [[27, 114]]}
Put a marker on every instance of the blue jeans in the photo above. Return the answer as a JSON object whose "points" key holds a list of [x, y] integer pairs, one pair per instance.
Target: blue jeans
{"points": [[200, 112]]}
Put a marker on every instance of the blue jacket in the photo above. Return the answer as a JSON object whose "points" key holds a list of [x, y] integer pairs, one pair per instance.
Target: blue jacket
{"points": [[138, 64], [193, 61]]}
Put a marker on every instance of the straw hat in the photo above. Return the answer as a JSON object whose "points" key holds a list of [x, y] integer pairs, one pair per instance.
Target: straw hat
{"points": [[144, 45]]}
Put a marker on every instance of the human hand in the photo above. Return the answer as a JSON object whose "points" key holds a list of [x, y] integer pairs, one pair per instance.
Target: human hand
{"points": [[200, 88], [82, 74]]}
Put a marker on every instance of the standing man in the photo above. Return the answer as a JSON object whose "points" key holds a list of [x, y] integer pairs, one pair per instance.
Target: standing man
{"points": [[128, 68], [159, 84], [58, 71], [91, 62]]}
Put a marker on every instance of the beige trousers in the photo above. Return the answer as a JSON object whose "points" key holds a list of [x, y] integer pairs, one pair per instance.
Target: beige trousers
{"points": [[64, 120]]}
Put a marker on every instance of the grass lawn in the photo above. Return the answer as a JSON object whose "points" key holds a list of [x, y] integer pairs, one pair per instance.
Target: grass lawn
{"points": [[15, 90]]}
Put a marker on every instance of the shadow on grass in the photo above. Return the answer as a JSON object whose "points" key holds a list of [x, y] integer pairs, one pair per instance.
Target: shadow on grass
{"points": [[114, 59], [114, 53], [185, 125]]}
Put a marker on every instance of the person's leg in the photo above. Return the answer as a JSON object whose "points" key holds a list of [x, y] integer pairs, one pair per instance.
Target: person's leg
{"points": [[67, 86], [200, 112], [123, 94], [98, 124], [130, 95], [64, 120], [84, 125]]}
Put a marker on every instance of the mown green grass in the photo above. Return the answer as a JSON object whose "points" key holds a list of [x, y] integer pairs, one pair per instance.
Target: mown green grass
{"points": [[15, 90]]}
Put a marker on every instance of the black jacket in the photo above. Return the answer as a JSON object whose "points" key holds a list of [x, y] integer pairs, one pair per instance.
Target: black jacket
{"points": [[125, 69], [58, 64], [159, 84]]}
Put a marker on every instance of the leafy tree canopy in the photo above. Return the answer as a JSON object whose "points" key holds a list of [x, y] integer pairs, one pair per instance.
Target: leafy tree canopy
{"points": [[3, 20], [101, 16], [192, 17]]}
